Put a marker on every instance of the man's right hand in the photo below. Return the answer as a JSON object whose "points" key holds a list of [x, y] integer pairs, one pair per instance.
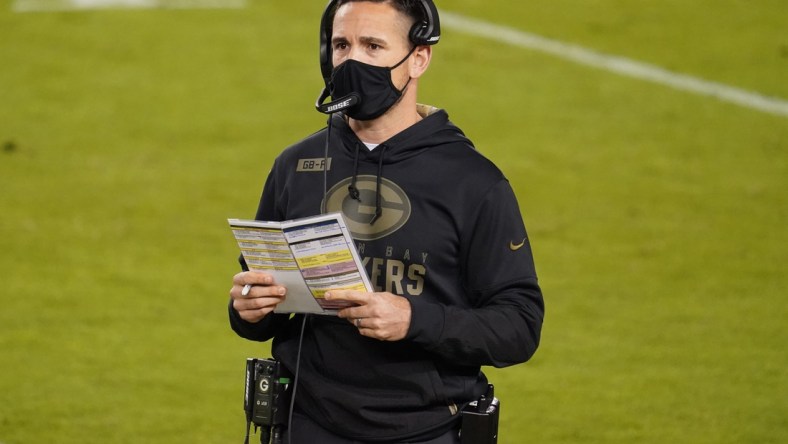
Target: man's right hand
{"points": [[262, 297]]}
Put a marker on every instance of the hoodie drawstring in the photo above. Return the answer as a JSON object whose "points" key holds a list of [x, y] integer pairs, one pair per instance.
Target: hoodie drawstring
{"points": [[351, 189], [378, 203], [324, 204]]}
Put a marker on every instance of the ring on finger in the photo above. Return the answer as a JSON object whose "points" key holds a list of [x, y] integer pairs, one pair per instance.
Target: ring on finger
{"points": [[357, 322]]}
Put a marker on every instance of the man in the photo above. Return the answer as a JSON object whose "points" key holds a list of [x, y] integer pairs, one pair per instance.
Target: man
{"points": [[438, 228]]}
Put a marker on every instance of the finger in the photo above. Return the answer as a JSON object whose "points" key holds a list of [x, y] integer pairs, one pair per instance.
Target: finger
{"points": [[356, 297], [371, 331], [247, 304], [353, 313], [275, 291], [359, 297], [254, 316], [257, 291], [361, 324], [253, 278]]}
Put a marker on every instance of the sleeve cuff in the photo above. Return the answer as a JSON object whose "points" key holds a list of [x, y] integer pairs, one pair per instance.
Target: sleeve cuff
{"points": [[426, 321]]}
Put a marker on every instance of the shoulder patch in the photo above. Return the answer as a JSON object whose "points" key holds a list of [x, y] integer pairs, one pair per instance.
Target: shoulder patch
{"points": [[312, 165]]}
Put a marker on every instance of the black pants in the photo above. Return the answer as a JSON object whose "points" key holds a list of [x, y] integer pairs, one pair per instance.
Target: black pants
{"points": [[306, 431]]}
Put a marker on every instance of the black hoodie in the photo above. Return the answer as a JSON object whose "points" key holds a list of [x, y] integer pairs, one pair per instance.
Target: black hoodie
{"points": [[449, 237]]}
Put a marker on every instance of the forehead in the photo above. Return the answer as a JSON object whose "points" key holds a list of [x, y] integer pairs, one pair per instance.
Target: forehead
{"points": [[370, 19]]}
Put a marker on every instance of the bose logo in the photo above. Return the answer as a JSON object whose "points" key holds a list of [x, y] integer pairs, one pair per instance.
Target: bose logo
{"points": [[339, 106]]}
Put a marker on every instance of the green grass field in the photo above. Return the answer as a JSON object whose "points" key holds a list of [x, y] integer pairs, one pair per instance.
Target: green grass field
{"points": [[658, 217]]}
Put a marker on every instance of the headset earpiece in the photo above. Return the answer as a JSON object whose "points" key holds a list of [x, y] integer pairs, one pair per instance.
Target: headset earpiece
{"points": [[418, 32], [326, 66], [428, 30]]}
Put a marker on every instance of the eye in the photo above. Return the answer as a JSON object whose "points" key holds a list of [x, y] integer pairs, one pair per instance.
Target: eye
{"points": [[340, 46]]}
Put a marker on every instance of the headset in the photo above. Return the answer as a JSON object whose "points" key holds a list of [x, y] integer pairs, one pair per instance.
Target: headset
{"points": [[426, 31]]}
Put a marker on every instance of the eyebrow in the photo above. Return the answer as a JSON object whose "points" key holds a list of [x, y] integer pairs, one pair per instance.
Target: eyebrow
{"points": [[364, 40], [372, 40]]}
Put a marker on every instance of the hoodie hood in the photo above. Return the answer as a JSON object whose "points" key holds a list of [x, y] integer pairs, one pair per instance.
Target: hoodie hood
{"points": [[432, 131]]}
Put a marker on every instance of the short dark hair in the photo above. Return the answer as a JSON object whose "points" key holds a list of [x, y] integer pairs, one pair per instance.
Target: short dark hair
{"points": [[411, 8]]}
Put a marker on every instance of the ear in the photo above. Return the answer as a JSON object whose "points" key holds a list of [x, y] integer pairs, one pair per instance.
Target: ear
{"points": [[420, 61]]}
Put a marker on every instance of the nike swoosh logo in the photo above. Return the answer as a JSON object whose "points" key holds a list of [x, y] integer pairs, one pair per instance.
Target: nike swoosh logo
{"points": [[515, 247]]}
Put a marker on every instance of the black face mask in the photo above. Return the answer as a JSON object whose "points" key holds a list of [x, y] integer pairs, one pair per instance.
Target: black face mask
{"points": [[373, 85]]}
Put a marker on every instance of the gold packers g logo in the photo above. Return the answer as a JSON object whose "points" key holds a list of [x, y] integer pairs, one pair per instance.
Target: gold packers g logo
{"points": [[394, 201]]}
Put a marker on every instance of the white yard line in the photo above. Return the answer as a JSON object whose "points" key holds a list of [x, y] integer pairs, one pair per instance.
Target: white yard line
{"points": [[479, 28], [80, 5], [618, 65]]}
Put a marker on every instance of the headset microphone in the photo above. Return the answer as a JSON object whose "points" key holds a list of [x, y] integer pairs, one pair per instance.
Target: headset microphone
{"points": [[337, 105]]}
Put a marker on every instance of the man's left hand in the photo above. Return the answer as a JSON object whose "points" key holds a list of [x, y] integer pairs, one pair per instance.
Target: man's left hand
{"points": [[383, 316]]}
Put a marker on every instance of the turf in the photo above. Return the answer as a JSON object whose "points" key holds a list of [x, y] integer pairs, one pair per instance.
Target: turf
{"points": [[658, 217]]}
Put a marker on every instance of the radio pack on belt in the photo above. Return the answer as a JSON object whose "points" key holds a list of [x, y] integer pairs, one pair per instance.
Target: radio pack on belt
{"points": [[480, 419], [266, 399]]}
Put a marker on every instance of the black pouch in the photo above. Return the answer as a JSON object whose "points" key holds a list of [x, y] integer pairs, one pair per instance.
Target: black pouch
{"points": [[480, 419], [266, 398]]}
